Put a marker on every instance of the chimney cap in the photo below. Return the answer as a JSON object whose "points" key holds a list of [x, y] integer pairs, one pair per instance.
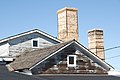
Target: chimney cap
{"points": [[95, 29], [66, 8]]}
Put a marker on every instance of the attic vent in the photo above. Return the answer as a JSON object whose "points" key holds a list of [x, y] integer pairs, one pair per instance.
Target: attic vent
{"points": [[35, 43], [71, 60]]}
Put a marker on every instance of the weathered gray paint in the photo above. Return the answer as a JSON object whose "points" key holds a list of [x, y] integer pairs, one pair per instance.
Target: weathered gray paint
{"points": [[23, 44]]}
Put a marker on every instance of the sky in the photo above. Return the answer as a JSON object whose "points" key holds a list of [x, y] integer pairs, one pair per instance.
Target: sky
{"points": [[17, 16]]}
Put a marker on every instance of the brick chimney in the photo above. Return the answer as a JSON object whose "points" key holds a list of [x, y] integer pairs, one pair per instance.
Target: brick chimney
{"points": [[96, 42], [67, 24]]}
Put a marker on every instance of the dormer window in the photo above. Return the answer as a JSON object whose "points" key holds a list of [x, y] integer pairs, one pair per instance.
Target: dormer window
{"points": [[71, 60], [35, 43]]}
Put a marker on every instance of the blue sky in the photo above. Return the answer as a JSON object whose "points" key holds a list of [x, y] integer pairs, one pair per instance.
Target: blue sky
{"points": [[18, 16]]}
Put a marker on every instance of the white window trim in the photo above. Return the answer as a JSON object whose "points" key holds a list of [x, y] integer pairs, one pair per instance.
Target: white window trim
{"points": [[71, 65], [37, 43]]}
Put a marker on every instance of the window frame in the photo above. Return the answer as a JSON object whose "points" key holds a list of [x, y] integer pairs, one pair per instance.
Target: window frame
{"points": [[33, 43], [71, 65]]}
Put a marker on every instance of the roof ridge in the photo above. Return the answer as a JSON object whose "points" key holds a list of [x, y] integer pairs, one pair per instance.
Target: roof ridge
{"points": [[24, 33], [18, 34]]}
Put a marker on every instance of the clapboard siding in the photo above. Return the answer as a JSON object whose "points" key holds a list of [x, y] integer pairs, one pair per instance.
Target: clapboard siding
{"points": [[22, 44]]}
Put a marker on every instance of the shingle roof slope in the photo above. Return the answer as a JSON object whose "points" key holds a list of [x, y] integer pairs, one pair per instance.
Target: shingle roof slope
{"points": [[29, 59]]}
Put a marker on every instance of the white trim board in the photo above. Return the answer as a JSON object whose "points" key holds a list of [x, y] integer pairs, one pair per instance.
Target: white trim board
{"points": [[68, 61], [38, 41], [98, 60]]}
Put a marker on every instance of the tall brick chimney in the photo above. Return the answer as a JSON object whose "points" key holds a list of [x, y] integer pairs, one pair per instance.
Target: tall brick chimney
{"points": [[67, 24], [96, 42]]}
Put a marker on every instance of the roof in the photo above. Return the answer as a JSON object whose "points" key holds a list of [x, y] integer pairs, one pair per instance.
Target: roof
{"points": [[81, 77], [32, 59], [6, 75], [29, 32]]}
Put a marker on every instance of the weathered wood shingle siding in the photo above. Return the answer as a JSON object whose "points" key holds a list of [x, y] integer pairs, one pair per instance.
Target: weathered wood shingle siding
{"points": [[54, 60], [57, 64], [23, 44]]}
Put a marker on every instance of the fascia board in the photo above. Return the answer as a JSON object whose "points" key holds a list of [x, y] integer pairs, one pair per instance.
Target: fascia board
{"points": [[29, 32]]}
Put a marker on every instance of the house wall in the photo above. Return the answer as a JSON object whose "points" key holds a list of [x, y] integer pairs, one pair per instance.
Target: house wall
{"points": [[4, 49], [23, 44], [57, 64]]}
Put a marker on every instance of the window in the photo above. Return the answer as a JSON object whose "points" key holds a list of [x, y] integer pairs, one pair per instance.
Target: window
{"points": [[71, 60], [35, 43]]}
